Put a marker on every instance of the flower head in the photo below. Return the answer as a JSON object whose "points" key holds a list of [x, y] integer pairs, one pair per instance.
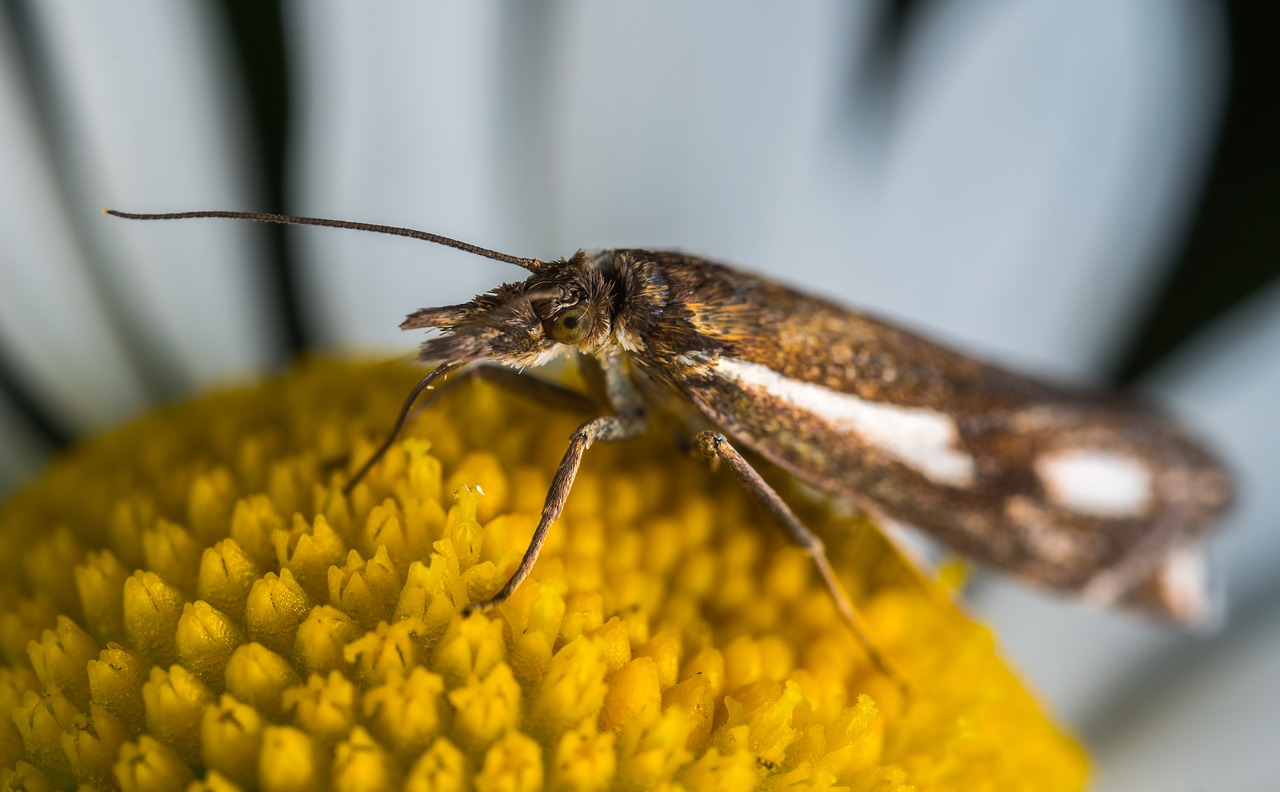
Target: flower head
{"points": [[192, 599]]}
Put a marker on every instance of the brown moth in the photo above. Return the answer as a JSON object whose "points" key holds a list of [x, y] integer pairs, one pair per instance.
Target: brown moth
{"points": [[1071, 489]]}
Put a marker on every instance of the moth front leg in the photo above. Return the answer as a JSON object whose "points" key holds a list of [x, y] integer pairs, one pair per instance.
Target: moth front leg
{"points": [[715, 447], [517, 382], [606, 427]]}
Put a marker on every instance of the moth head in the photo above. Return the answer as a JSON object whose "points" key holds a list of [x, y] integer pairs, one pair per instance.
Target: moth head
{"points": [[567, 305]]}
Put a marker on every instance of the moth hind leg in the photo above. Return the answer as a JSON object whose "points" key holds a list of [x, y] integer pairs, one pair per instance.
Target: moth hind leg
{"points": [[715, 447]]}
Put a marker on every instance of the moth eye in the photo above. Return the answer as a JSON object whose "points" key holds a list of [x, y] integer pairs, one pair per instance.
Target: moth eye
{"points": [[569, 326]]}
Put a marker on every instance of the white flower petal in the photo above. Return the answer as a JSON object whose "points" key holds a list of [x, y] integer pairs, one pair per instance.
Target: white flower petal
{"points": [[1042, 160], [149, 123], [398, 124], [1140, 687], [54, 333]]}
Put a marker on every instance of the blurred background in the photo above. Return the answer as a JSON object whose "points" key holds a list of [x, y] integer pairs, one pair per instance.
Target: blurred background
{"points": [[1083, 189]]}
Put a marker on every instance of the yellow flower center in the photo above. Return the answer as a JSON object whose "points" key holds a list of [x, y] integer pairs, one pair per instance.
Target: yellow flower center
{"points": [[191, 600]]}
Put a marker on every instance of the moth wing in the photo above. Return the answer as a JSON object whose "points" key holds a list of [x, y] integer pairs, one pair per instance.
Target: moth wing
{"points": [[1066, 488]]}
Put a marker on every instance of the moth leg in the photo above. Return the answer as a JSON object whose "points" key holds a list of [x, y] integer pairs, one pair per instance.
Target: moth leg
{"points": [[606, 427], [518, 383], [715, 447], [423, 384], [509, 379]]}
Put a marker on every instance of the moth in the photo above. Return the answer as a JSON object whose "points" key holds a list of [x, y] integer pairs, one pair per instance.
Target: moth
{"points": [[1085, 492]]}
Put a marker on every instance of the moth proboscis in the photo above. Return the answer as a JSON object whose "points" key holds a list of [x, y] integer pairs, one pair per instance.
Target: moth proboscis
{"points": [[1072, 489]]}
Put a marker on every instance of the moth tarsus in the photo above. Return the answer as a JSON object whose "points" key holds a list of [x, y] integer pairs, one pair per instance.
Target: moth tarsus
{"points": [[1073, 490], [424, 384]]}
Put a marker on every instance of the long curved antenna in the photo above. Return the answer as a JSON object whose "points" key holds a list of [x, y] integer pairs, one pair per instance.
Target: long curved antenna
{"points": [[423, 384], [533, 265]]}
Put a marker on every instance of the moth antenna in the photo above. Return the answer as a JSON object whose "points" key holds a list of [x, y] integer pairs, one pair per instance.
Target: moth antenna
{"points": [[423, 384], [533, 265]]}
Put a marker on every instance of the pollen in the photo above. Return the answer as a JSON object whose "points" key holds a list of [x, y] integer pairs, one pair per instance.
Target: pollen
{"points": [[191, 602]]}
